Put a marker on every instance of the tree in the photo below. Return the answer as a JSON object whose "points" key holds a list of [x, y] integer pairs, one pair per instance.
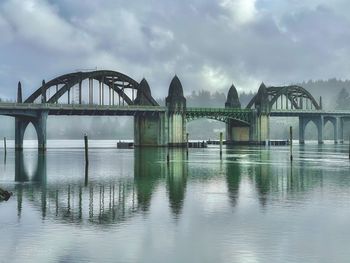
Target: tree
{"points": [[343, 100]]}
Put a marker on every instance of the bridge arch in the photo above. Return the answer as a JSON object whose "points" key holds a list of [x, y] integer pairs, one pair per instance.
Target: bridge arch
{"points": [[298, 97], [218, 118], [117, 82], [310, 124], [334, 122]]}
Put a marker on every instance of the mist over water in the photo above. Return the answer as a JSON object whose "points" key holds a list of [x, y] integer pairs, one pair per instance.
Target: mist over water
{"points": [[129, 205]]}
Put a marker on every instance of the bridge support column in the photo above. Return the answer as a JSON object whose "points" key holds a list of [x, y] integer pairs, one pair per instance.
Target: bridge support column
{"points": [[176, 114], [21, 124], [302, 125], [260, 127], [259, 130], [320, 125], [336, 128], [253, 128], [340, 133], [264, 128], [176, 129], [40, 127], [150, 130], [236, 133]]}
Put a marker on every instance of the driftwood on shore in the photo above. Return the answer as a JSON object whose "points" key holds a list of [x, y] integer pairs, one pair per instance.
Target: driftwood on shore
{"points": [[4, 195]]}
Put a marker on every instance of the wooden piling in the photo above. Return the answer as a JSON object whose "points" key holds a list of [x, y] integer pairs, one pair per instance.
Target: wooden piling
{"points": [[187, 144], [5, 147], [86, 174], [221, 143], [291, 143], [86, 149]]}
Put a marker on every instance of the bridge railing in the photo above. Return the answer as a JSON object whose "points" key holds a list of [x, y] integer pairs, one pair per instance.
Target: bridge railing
{"points": [[49, 106], [311, 111], [223, 110]]}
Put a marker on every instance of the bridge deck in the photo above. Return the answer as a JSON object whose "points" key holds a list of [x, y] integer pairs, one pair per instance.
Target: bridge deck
{"points": [[297, 113], [14, 109]]}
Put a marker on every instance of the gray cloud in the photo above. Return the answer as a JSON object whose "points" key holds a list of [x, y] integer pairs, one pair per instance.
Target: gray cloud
{"points": [[208, 44]]}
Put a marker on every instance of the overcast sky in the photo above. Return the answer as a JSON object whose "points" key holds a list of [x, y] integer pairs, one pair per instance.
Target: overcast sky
{"points": [[208, 44]]}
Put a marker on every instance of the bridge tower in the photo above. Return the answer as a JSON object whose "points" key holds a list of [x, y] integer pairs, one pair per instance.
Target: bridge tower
{"points": [[260, 127], [149, 128], [176, 114], [235, 132]]}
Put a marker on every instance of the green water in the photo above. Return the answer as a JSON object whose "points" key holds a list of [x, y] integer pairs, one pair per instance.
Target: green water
{"points": [[131, 206]]}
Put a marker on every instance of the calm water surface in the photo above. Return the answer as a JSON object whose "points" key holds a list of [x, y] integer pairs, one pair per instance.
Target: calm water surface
{"points": [[130, 206]]}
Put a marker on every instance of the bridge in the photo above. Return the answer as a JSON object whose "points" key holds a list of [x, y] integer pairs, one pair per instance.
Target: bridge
{"points": [[111, 93]]}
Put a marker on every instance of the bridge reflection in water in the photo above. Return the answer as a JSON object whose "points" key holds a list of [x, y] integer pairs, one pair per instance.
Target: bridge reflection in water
{"points": [[112, 201], [101, 202]]}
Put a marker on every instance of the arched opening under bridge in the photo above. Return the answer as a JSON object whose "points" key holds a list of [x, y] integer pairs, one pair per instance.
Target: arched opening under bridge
{"points": [[311, 131], [205, 128]]}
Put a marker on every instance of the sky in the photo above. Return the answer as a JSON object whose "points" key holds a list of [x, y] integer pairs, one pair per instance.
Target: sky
{"points": [[208, 44]]}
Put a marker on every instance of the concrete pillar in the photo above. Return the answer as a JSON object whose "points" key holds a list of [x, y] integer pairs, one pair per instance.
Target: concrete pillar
{"points": [[236, 132], [341, 130], [336, 124], [301, 130], [80, 92], [150, 129], [21, 124], [264, 128], [19, 92], [176, 114], [262, 121], [43, 92], [40, 127], [320, 125], [252, 127]]}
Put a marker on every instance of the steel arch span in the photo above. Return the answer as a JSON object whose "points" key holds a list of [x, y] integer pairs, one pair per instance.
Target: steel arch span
{"points": [[241, 116], [116, 81], [296, 95]]}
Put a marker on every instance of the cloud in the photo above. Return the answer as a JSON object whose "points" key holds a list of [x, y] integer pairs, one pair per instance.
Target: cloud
{"points": [[207, 44], [241, 11], [38, 24]]}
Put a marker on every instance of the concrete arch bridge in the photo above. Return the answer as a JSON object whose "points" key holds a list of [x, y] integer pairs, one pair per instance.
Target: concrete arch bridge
{"points": [[111, 93]]}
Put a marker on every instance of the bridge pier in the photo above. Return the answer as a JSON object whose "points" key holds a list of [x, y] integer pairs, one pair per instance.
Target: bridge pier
{"points": [[150, 130], [340, 133], [320, 125], [235, 131], [176, 114], [39, 122], [336, 128], [161, 129], [302, 126], [21, 124], [260, 127]]}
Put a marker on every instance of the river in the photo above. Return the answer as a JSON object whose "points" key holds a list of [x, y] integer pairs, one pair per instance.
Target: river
{"points": [[251, 205]]}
